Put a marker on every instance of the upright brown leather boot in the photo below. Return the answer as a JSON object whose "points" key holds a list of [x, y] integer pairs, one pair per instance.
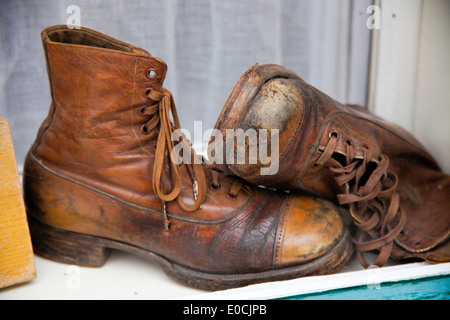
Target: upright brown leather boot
{"points": [[394, 189], [99, 176]]}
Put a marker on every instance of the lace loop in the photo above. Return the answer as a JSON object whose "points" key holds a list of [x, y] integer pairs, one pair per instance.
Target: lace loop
{"points": [[161, 125], [373, 204]]}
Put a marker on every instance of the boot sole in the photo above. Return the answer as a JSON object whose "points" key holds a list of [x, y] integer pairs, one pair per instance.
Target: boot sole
{"points": [[85, 250]]}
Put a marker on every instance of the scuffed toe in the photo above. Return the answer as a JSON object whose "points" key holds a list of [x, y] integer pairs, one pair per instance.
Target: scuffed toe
{"points": [[309, 228]]}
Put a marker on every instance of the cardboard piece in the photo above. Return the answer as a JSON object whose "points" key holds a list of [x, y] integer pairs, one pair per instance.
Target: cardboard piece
{"points": [[16, 253]]}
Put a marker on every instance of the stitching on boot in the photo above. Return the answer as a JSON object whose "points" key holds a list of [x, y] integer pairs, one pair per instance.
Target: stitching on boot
{"points": [[281, 231]]}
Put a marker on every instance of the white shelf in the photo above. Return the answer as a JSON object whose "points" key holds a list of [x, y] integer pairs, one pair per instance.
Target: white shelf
{"points": [[372, 278], [125, 276]]}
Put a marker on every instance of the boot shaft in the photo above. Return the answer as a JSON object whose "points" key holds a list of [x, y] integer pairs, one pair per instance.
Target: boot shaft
{"points": [[98, 85]]}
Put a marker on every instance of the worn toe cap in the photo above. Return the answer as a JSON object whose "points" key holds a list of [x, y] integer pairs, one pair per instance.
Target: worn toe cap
{"points": [[309, 228]]}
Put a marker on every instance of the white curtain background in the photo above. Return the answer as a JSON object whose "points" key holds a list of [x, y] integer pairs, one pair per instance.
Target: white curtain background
{"points": [[207, 45]]}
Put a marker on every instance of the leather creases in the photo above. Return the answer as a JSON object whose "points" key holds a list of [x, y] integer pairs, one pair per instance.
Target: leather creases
{"points": [[372, 198]]}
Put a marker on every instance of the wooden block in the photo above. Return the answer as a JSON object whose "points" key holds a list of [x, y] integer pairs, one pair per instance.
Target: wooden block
{"points": [[16, 253]]}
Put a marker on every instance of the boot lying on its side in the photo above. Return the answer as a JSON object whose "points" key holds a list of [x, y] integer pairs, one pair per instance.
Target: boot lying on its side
{"points": [[394, 189]]}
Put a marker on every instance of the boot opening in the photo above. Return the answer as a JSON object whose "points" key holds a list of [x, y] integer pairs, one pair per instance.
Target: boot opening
{"points": [[85, 38]]}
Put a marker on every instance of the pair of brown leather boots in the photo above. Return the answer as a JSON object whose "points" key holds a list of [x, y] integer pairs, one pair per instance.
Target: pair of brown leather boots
{"points": [[101, 175]]}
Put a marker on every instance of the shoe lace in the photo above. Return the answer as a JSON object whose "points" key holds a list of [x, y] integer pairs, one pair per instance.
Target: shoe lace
{"points": [[160, 124], [371, 195]]}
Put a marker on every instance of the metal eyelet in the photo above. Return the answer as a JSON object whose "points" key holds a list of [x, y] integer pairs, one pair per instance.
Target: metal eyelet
{"points": [[145, 130], [314, 165], [333, 134], [214, 187], [142, 110], [231, 196], [151, 73], [147, 91]]}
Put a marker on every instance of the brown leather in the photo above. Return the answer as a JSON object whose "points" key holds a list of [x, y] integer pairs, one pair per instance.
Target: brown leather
{"points": [[392, 186], [100, 168]]}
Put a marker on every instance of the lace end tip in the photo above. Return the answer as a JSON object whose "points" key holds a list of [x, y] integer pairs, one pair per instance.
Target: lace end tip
{"points": [[166, 226], [166, 222]]}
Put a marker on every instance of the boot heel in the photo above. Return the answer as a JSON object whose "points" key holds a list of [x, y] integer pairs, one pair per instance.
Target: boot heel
{"points": [[65, 246]]}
